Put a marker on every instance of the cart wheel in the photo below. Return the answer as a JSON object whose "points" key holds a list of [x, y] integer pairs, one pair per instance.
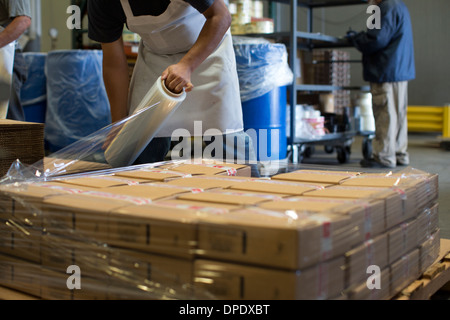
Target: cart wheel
{"points": [[367, 149], [329, 149], [343, 154], [309, 151]]}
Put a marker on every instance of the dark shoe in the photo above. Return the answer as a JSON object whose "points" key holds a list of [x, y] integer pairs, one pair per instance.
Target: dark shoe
{"points": [[371, 163], [402, 163]]}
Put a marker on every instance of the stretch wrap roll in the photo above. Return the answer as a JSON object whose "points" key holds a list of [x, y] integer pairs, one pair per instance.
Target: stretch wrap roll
{"points": [[135, 133]]}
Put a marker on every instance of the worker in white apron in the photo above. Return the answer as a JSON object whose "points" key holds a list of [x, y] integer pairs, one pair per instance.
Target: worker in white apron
{"points": [[170, 46]]}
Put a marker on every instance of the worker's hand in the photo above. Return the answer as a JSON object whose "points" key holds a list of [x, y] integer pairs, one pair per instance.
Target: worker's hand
{"points": [[177, 77], [350, 34]]}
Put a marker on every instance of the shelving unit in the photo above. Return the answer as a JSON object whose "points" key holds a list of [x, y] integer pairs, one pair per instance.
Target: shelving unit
{"points": [[308, 40]]}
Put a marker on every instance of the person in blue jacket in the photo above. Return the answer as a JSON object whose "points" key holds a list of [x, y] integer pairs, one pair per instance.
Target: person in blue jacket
{"points": [[388, 64]]}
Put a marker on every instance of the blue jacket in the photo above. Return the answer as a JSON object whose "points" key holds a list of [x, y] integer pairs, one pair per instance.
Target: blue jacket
{"points": [[388, 52]]}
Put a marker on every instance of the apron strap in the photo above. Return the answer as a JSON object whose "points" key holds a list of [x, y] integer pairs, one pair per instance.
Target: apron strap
{"points": [[127, 8]]}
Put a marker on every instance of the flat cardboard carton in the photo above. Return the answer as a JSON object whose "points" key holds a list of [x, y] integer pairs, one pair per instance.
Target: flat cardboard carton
{"points": [[228, 281], [316, 176], [402, 239], [199, 206], [206, 182], [274, 239], [362, 291], [152, 174], [427, 223], [276, 187], [367, 216], [151, 191], [429, 251], [92, 289], [54, 284], [357, 260], [23, 202], [63, 167], [101, 181], [418, 190], [394, 203], [233, 197], [20, 275], [83, 215], [404, 271], [159, 272], [210, 168], [57, 252], [154, 229]]}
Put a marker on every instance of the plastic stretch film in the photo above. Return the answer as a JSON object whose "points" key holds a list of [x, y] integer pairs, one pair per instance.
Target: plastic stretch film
{"points": [[208, 230], [150, 115], [262, 66]]}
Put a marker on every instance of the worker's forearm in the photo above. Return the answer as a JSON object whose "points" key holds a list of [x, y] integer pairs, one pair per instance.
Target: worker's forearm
{"points": [[14, 30], [212, 33], [116, 79]]}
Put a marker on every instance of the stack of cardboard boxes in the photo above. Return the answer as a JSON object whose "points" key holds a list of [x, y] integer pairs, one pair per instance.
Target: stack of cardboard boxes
{"points": [[209, 230]]}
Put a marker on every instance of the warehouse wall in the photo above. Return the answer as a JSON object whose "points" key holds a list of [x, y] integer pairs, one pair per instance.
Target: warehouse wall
{"points": [[54, 16], [432, 43]]}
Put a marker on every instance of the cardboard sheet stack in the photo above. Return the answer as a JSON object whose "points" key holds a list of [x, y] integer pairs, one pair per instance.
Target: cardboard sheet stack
{"points": [[209, 230], [20, 140]]}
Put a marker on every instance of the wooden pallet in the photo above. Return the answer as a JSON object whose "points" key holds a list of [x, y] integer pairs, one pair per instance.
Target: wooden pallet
{"points": [[434, 279]]}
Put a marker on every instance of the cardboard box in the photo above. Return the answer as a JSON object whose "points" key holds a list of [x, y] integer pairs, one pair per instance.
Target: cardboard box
{"points": [[362, 291], [402, 239], [23, 202], [20, 275], [83, 215], [101, 181], [357, 260], [206, 182], [57, 252], [158, 272], [227, 281], [150, 192], [233, 197], [154, 229], [429, 251], [206, 167], [152, 174], [218, 208], [273, 239], [276, 187], [316, 176], [92, 289], [427, 223], [54, 284], [367, 216], [417, 190], [56, 167], [404, 271], [394, 208]]}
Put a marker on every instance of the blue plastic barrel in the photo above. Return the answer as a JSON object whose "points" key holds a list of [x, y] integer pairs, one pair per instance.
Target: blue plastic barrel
{"points": [[265, 118], [33, 94], [77, 103]]}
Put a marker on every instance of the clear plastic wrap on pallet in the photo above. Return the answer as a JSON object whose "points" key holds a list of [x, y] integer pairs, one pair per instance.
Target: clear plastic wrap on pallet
{"points": [[203, 229], [261, 65]]}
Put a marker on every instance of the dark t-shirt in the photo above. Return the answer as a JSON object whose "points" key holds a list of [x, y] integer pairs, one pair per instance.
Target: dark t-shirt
{"points": [[107, 18]]}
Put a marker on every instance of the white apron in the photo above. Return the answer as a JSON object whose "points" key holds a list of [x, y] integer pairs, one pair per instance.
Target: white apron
{"points": [[215, 99]]}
